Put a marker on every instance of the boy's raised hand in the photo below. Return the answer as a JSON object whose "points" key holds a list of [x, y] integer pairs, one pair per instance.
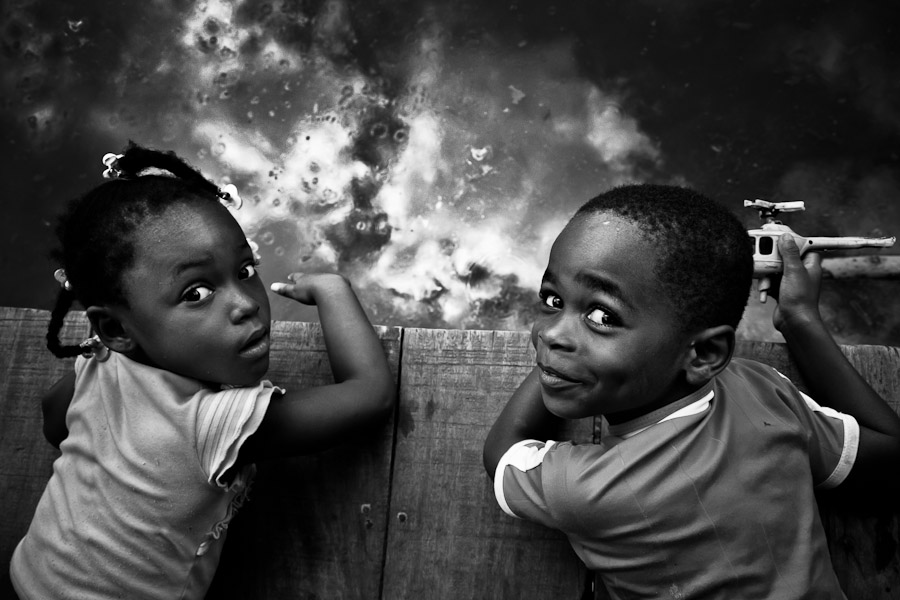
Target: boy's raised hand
{"points": [[798, 291], [829, 376]]}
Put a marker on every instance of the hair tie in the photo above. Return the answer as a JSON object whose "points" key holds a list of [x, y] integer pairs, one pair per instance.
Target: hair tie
{"points": [[94, 348], [112, 171], [229, 197], [60, 276]]}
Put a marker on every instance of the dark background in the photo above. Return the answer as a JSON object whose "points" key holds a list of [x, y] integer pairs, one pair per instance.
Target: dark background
{"points": [[432, 150]]}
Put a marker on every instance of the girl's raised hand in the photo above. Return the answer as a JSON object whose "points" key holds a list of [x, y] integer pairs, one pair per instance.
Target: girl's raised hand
{"points": [[360, 399], [307, 288]]}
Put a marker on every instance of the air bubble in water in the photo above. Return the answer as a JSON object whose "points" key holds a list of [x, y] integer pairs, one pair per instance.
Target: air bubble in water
{"points": [[480, 154], [267, 238], [379, 130]]}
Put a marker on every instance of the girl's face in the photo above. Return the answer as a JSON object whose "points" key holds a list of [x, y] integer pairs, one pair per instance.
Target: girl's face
{"points": [[607, 339], [196, 304]]}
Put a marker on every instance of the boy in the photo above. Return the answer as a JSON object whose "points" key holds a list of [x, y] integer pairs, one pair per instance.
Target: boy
{"points": [[704, 485]]}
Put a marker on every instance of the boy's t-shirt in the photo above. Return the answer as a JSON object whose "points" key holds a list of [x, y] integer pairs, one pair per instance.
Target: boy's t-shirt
{"points": [[709, 497]]}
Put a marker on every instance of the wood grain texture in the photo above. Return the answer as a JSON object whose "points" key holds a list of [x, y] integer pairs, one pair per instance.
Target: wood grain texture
{"points": [[315, 526], [448, 538], [407, 512], [27, 369]]}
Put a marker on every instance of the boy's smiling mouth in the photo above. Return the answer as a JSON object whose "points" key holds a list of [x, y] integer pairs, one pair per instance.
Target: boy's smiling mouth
{"points": [[552, 378]]}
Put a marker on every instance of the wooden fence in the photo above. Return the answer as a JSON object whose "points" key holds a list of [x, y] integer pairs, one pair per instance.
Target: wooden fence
{"points": [[406, 513]]}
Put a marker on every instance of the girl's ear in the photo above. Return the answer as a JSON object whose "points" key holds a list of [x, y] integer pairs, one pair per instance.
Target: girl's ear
{"points": [[112, 332], [710, 352]]}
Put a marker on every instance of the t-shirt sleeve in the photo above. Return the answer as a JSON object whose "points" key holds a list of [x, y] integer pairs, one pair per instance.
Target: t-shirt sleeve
{"points": [[833, 440], [225, 420], [519, 482]]}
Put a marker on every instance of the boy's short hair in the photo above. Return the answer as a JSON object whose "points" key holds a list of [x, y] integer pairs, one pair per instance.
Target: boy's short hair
{"points": [[705, 256]]}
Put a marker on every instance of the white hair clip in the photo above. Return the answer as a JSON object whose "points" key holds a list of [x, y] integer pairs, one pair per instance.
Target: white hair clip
{"points": [[254, 247], [60, 276], [109, 160], [228, 196]]}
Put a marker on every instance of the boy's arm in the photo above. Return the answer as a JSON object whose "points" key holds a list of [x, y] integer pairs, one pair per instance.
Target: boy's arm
{"points": [[523, 418], [362, 397], [831, 378], [54, 406]]}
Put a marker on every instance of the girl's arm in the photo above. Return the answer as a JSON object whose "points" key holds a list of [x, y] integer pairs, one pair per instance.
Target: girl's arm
{"points": [[54, 406], [831, 378], [363, 395], [523, 418]]}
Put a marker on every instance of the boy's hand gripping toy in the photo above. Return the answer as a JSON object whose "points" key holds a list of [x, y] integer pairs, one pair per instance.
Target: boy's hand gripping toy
{"points": [[767, 260]]}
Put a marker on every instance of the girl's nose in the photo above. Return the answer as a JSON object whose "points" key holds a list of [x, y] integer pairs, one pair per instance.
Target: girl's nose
{"points": [[243, 306]]}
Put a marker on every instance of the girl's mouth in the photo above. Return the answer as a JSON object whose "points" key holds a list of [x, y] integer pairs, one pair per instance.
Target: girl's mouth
{"points": [[257, 346]]}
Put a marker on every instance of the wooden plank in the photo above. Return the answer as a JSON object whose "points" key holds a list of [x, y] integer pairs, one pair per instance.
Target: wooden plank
{"points": [[27, 369], [864, 541], [448, 538], [315, 526]]}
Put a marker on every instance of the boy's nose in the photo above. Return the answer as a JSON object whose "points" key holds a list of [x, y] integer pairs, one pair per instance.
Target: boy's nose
{"points": [[557, 333]]}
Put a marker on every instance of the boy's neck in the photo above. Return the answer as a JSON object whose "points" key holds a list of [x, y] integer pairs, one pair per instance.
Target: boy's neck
{"points": [[682, 391]]}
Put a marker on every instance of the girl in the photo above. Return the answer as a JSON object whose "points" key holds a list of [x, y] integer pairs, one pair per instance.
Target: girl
{"points": [[165, 413]]}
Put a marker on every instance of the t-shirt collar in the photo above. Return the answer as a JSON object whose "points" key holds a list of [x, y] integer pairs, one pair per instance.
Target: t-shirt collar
{"points": [[631, 427]]}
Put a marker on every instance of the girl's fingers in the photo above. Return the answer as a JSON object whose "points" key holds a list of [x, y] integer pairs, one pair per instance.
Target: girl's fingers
{"points": [[280, 287]]}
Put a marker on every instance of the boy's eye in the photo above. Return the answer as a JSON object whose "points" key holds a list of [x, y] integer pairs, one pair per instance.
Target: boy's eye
{"points": [[600, 317], [196, 294], [249, 270], [551, 300]]}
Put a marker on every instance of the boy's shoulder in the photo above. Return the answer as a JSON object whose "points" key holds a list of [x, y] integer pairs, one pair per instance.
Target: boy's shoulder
{"points": [[753, 372]]}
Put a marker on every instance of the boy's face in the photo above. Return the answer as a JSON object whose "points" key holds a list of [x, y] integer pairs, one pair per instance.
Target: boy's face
{"points": [[197, 306], [607, 339]]}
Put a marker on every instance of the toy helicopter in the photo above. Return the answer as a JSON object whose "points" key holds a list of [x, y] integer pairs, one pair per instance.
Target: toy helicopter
{"points": [[766, 259]]}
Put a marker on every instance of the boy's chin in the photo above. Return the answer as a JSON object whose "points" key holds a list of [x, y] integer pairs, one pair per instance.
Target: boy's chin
{"points": [[566, 409]]}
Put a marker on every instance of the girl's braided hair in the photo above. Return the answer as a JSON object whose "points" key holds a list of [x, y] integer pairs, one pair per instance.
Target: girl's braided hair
{"points": [[96, 231]]}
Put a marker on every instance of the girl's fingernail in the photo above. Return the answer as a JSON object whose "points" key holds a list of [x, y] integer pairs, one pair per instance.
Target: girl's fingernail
{"points": [[278, 287]]}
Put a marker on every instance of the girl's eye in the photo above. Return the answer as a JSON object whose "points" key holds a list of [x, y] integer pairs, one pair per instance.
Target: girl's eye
{"points": [[600, 317], [249, 270], [551, 300], [196, 294]]}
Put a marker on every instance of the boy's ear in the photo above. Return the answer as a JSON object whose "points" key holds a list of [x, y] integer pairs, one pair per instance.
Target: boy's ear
{"points": [[112, 333], [710, 352]]}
